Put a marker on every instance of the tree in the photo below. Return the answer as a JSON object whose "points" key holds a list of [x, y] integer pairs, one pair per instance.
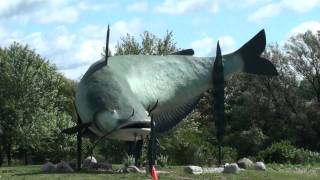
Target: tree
{"points": [[304, 53], [266, 109], [149, 45], [30, 94]]}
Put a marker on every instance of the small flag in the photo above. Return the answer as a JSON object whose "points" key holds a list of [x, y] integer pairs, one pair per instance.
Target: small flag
{"points": [[154, 173]]}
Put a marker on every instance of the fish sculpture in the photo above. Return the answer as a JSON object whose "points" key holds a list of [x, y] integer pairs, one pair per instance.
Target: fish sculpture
{"points": [[117, 96]]}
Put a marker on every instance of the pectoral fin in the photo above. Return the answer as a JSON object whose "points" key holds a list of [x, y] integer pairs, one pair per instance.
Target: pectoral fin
{"points": [[169, 118]]}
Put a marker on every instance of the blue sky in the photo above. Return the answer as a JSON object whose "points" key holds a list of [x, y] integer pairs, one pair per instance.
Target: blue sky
{"points": [[71, 34]]}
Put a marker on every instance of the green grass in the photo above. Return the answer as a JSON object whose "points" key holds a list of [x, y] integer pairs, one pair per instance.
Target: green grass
{"points": [[275, 171]]}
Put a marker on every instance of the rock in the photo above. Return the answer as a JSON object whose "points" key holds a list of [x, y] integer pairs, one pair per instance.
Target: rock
{"points": [[260, 166], [91, 159], [73, 164], [193, 169], [212, 170], [231, 168], [48, 167], [245, 163], [64, 167], [89, 162], [133, 169]]}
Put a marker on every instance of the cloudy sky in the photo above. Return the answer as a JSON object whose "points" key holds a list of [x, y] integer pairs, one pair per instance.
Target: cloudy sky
{"points": [[71, 33]]}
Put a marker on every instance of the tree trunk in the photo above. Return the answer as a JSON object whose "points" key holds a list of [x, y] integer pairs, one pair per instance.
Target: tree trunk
{"points": [[9, 153], [1, 155], [25, 156]]}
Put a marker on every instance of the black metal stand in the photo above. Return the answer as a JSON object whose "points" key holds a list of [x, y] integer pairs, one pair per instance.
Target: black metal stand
{"points": [[218, 103], [79, 145], [137, 152], [152, 146]]}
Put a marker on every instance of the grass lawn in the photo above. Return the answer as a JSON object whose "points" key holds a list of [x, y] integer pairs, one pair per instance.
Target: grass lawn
{"points": [[275, 171]]}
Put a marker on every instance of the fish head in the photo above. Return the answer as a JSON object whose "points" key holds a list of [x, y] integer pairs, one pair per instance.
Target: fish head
{"points": [[105, 98]]}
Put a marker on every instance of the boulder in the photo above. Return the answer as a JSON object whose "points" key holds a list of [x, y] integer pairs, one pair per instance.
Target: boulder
{"points": [[260, 166], [73, 164], [245, 163], [91, 159], [212, 170], [49, 167], [231, 168], [89, 162], [193, 169], [64, 167], [133, 169]]}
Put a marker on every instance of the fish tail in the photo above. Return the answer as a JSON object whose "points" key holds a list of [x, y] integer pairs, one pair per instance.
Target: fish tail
{"points": [[250, 54]]}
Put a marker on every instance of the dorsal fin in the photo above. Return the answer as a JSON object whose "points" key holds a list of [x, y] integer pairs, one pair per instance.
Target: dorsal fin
{"points": [[185, 52], [167, 119], [107, 46]]}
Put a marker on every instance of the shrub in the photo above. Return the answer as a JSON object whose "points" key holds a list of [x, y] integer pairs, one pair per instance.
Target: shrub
{"points": [[247, 143], [228, 154], [284, 152], [162, 160], [128, 160]]}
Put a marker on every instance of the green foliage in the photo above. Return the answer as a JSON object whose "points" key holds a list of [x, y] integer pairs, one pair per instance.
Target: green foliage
{"points": [[285, 152], [162, 160], [128, 160], [112, 150], [31, 101], [303, 51], [149, 45], [185, 144], [247, 142]]}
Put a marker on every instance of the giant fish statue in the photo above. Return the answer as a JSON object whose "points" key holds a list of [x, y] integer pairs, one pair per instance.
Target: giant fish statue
{"points": [[116, 99]]}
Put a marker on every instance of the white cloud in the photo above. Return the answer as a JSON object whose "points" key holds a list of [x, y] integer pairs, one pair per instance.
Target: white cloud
{"points": [[313, 26], [180, 7], [63, 15], [138, 7], [72, 52], [231, 4], [273, 9], [203, 47], [45, 11], [265, 12], [121, 28], [207, 45], [227, 44]]}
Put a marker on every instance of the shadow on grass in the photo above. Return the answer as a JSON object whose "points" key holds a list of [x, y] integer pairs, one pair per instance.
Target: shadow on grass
{"points": [[75, 172]]}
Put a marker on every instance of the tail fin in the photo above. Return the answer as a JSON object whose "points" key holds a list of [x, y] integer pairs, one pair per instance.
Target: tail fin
{"points": [[250, 53]]}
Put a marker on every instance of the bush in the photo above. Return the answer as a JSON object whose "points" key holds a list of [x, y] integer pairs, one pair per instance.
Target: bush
{"points": [[228, 154], [284, 152], [128, 161], [247, 143], [162, 160]]}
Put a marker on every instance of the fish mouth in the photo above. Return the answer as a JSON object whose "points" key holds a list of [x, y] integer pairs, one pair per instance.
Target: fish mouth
{"points": [[136, 125], [131, 131]]}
